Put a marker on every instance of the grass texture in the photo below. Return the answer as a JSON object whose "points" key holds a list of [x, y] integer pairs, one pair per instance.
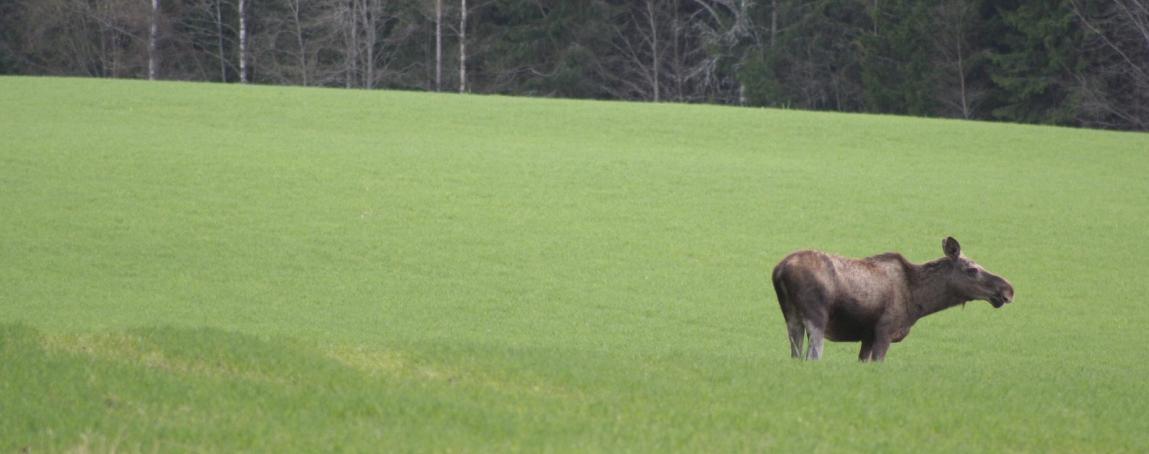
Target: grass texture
{"points": [[190, 267]]}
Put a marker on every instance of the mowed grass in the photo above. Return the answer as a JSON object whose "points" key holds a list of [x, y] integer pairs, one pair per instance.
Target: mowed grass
{"points": [[221, 268]]}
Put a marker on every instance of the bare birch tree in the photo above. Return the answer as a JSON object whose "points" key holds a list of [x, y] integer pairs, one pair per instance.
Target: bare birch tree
{"points": [[438, 45], [1115, 90], [655, 61], [370, 14], [295, 7], [724, 29], [242, 12], [153, 33], [219, 41], [954, 52], [773, 23], [637, 43], [462, 46]]}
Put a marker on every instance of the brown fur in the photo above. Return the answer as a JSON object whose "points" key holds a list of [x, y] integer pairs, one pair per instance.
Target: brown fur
{"points": [[875, 300]]}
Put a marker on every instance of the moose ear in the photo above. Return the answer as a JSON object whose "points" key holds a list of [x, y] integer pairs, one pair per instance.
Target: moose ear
{"points": [[951, 247]]}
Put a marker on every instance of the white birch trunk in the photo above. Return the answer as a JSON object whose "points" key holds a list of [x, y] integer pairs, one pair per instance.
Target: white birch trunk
{"points": [[654, 64], [153, 66], [352, 48], [219, 34], [296, 6], [369, 12], [463, 46], [773, 22], [965, 113], [242, 42], [438, 45]]}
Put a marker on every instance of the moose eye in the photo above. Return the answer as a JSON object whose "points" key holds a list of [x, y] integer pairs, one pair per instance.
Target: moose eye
{"points": [[971, 271]]}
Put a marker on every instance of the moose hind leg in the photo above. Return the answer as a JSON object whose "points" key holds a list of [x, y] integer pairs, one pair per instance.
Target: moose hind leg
{"points": [[816, 335], [797, 335]]}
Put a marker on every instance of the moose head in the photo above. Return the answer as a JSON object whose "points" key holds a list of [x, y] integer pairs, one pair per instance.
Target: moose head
{"points": [[972, 281]]}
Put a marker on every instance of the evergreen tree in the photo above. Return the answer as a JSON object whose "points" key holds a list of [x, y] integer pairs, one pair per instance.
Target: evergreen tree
{"points": [[1035, 62], [814, 62], [543, 49], [897, 75]]}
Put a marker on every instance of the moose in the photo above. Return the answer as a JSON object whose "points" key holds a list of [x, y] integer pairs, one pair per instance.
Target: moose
{"points": [[875, 300]]}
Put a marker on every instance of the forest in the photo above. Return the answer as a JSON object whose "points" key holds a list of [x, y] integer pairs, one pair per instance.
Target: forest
{"points": [[1062, 62]]}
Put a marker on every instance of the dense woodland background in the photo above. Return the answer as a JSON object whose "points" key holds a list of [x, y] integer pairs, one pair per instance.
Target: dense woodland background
{"points": [[1068, 62]]}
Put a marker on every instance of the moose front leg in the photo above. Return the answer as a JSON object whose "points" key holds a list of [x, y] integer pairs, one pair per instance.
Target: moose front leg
{"points": [[886, 332], [867, 349], [881, 343]]}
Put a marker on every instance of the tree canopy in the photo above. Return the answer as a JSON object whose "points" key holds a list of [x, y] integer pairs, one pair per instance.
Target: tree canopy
{"points": [[1066, 62]]}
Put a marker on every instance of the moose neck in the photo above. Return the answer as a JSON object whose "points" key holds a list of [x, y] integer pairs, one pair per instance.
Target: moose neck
{"points": [[929, 290]]}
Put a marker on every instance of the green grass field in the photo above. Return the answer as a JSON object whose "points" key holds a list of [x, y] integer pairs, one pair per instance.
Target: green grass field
{"points": [[208, 267]]}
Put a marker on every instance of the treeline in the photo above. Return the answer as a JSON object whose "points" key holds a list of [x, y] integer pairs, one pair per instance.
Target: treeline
{"points": [[1069, 62]]}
